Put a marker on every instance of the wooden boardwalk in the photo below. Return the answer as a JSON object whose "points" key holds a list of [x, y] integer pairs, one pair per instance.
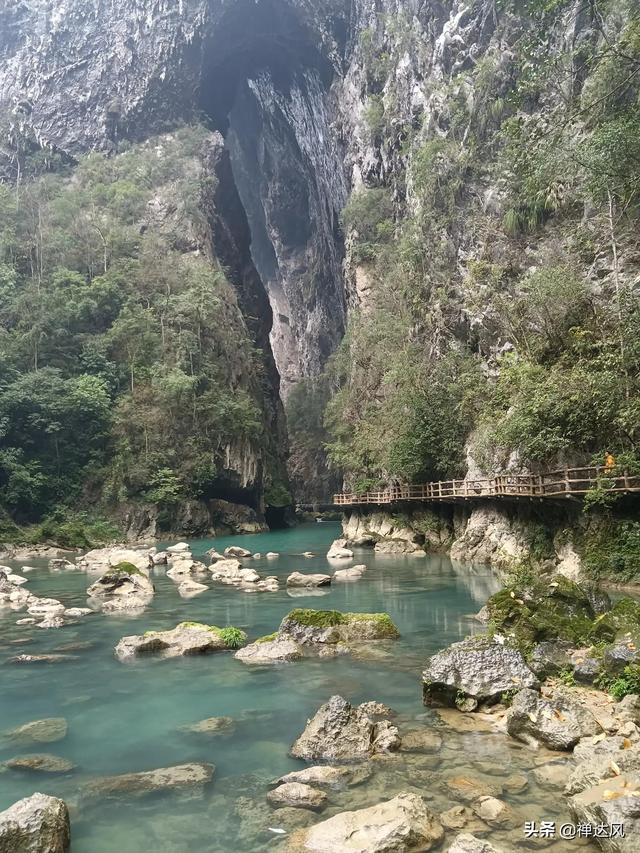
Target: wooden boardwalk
{"points": [[564, 483]]}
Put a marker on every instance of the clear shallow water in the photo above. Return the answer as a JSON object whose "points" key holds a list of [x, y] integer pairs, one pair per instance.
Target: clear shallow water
{"points": [[126, 718]]}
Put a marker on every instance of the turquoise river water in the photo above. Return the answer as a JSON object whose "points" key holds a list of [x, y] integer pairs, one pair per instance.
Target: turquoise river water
{"points": [[128, 717]]}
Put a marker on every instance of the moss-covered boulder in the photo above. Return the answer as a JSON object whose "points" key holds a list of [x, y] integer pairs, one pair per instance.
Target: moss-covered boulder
{"points": [[544, 610], [622, 620], [187, 638], [331, 627]]}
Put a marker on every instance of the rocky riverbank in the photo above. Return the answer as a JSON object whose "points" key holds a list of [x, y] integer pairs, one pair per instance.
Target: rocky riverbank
{"points": [[514, 718], [559, 539]]}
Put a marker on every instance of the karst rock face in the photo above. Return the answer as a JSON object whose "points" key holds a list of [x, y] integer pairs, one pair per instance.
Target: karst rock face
{"points": [[291, 86], [286, 81]]}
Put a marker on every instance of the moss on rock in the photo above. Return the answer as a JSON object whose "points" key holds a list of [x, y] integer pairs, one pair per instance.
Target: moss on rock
{"points": [[383, 625], [268, 638], [125, 568], [316, 618], [543, 610]]}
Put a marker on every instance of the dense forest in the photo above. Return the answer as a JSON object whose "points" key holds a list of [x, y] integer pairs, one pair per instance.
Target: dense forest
{"points": [[491, 259], [502, 320], [126, 368]]}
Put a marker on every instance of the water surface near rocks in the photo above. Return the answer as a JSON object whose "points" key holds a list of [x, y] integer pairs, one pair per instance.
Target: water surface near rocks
{"points": [[126, 718]]}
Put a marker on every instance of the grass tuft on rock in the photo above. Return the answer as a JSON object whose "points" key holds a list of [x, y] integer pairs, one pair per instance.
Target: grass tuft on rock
{"points": [[233, 637]]}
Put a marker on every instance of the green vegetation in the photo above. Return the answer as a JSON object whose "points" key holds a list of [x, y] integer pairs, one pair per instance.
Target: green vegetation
{"points": [[533, 611], [316, 618], [268, 638], [234, 638], [65, 528], [626, 683], [542, 610], [611, 549], [125, 568], [125, 364], [548, 271]]}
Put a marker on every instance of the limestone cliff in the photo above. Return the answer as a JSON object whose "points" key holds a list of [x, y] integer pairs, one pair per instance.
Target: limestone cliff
{"points": [[315, 100]]}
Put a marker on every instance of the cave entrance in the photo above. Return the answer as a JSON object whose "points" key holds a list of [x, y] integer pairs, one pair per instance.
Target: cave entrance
{"points": [[264, 84]]}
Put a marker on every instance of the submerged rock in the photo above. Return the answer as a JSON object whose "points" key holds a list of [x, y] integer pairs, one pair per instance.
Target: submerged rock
{"points": [[187, 638], [466, 843], [557, 723], [401, 824], [474, 671], [270, 650], [49, 730], [332, 777], [40, 763], [41, 658], [421, 740], [339, 731], [297, 796], [211, 726], [180, 776], [299, 579], [36, 824]]}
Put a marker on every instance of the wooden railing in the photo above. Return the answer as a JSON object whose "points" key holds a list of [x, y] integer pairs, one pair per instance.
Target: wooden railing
{"points": [[564, 483]]}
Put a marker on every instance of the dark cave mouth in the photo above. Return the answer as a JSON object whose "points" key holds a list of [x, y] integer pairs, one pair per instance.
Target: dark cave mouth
{"points": [[250, 38], [262, 59]]}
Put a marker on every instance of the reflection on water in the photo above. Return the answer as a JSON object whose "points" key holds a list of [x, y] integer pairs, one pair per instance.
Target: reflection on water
{"points": [[129, 717]]}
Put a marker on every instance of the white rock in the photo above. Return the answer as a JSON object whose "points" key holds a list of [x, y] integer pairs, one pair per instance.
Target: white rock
{"points": [[16, 580], [272, 555], [47, 607], [175, 549], [189, 588]]}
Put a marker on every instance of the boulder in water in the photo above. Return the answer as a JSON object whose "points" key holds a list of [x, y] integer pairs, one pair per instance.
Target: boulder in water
{"points": [[41, 763], [48, 730], [474, 671], [404, 824], [187, 638], [299, 579], [273, 649], [180, 776], [326, 776], [339, 551], [122, 587], [341, 732], [37, 824], [298, 796], [557, 723], [329, 627], [236, 551]]}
